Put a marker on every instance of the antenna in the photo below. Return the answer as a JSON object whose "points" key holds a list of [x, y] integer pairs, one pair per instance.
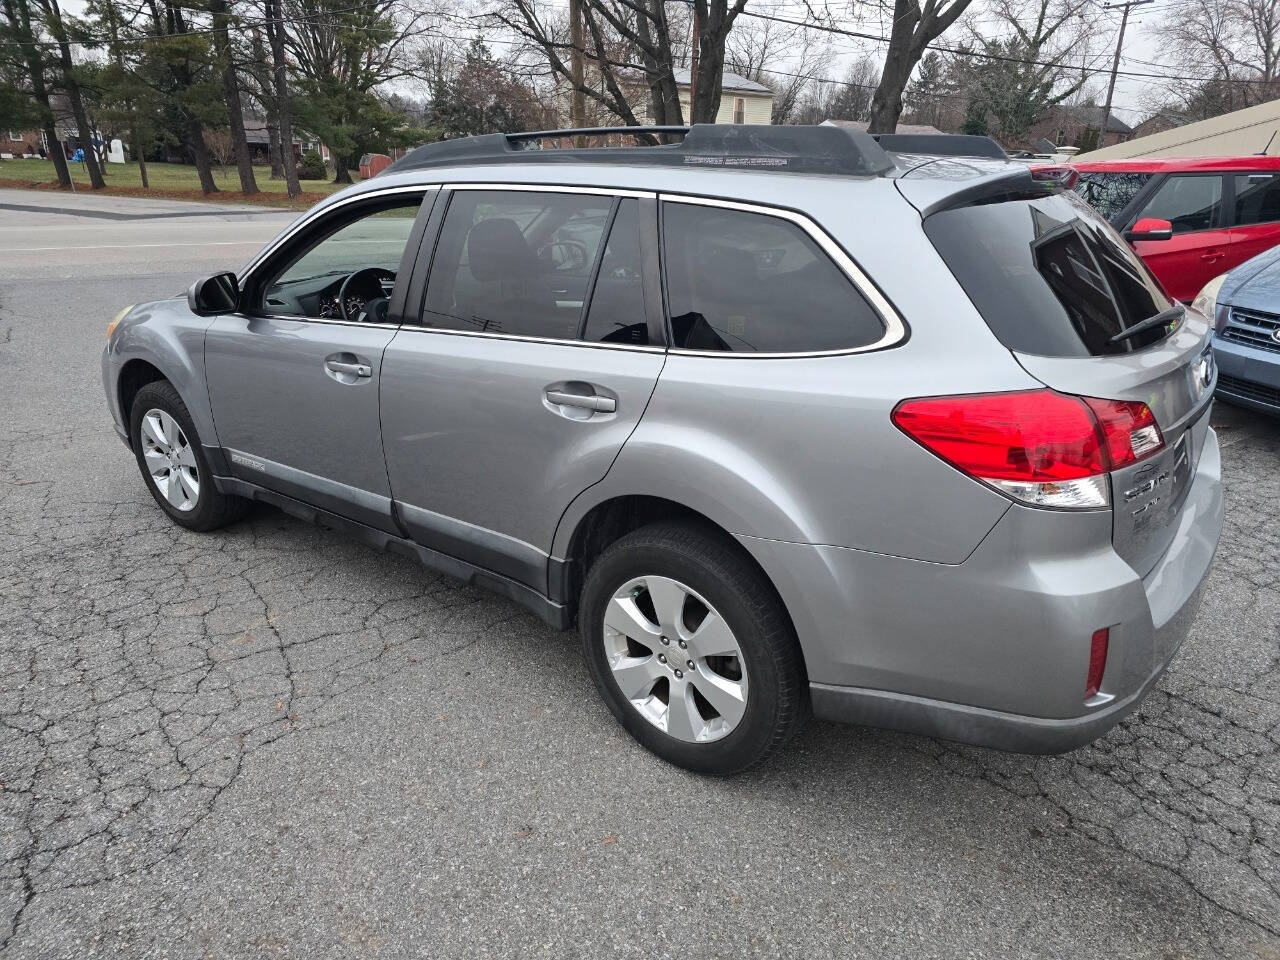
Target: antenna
{"points": [[1263, 151]]}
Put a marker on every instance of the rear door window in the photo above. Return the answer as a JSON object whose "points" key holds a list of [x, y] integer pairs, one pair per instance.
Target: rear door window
{"points": [[744, 282], [1188, 202], [1110, 193], [1049, 275], [1257, 198], [515, 262]]}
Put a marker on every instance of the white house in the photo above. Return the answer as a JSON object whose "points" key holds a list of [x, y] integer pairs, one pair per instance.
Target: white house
{"points": [[741, 100]]}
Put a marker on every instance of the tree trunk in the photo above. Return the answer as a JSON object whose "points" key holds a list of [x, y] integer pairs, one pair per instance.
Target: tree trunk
{"points": [[886, 105], [82, 119], [280, 66], [340, 172], [142, 161], [231, 91], [273, 150], [200, 155]]}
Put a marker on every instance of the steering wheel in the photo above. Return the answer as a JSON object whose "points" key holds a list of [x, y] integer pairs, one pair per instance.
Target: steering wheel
{"points": [[366, 285]]}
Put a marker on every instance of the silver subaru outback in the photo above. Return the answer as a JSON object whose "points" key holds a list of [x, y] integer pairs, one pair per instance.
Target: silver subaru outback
{"points": [[785, 419]]}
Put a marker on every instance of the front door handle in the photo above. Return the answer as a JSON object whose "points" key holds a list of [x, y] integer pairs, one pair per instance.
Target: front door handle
{"points": [[359, 371], [1211, 256], [590, 401]]}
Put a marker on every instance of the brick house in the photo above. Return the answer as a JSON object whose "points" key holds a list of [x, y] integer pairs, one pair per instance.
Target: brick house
{"points": [[1079, 126]]}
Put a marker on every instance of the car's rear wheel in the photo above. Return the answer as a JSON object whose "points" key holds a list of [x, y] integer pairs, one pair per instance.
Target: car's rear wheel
{"points": [[691, 648], [173, 463]]}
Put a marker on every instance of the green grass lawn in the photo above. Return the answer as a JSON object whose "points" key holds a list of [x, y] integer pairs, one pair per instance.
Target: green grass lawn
{"points": [[166, 180]]}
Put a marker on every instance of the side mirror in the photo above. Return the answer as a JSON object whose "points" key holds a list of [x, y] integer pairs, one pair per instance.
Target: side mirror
{"points": [[212, 295], [1150, 228]]}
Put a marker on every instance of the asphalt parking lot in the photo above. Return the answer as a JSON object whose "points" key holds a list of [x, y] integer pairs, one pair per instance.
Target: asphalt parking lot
{"points": [[269, 741]]}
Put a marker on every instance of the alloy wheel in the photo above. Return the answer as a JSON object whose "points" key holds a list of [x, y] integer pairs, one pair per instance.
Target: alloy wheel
{"points": [[675, 659], [171, 463]]}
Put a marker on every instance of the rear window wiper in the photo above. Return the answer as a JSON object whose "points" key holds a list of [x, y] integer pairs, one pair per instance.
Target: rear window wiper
{"points": [[1170, 316]]}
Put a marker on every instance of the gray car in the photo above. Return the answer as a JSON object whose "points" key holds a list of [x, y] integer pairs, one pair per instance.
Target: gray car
{"points": [[1245, 305], [785, 419]]}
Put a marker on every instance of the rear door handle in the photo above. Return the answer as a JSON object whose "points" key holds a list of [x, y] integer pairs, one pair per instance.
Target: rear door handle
{"points": [[359, 370], [586, 401]]}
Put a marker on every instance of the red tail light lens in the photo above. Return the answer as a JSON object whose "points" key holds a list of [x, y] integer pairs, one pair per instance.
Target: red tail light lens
{"points": [[1038, 446], [1097, 661], [1062, 174], [1129, 428]]}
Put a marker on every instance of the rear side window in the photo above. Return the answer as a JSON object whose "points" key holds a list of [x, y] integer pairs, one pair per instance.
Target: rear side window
{"points": [[515, 262], [745, 282], [1110, 193], [1257, 198], [1189, 203], [1049, 275]]}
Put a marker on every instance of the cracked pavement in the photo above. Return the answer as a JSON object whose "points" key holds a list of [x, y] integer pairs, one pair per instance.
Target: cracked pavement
{"points": [[270, 741]]}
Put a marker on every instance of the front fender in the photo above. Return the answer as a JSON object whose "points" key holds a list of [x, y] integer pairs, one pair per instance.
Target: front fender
{"points": [[169, 337]]}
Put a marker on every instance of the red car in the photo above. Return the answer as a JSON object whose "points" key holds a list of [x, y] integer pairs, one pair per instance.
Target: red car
{"points": [[1189, 219]]}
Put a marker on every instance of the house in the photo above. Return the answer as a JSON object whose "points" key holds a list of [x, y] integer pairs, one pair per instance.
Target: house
{"points": [[903, 128], [741, 101], [1079, 125], [259, 140], [1253, 130]]}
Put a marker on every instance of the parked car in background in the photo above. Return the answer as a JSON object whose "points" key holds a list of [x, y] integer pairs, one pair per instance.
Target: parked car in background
{"points": [[1245, 305], [1203, 215]]}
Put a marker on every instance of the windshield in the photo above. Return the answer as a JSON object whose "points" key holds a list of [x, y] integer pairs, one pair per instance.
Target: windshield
{"points": [[1049, 275]]}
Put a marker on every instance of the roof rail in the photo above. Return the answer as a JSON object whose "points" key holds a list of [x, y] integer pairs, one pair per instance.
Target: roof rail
{"points": [[788, 149], [941, 145]]}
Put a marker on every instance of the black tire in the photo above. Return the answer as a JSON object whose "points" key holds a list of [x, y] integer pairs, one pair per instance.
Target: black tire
{"points": [[716, 568], [212, 509]]}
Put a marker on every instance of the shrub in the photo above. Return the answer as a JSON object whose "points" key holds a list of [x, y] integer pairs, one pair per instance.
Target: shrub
{"points": [[312, 167]]}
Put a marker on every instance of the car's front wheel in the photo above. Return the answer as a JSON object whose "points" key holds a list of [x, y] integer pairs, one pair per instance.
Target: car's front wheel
{"points": [[173, 462], [691, 648]]}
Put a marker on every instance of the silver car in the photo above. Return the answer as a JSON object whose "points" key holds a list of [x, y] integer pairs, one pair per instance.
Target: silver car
{"points": [[785, 419]]}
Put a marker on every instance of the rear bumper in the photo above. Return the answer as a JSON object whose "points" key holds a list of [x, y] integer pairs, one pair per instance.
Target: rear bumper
{"points": [[994, 651]]}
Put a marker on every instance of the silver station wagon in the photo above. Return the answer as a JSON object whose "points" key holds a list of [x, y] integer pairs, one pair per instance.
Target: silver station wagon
{"points": [[784, 419]]}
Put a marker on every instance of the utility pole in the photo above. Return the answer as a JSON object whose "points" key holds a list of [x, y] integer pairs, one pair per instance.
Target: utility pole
{"points": [[1115, 64], [577, 100], [693, 65]]}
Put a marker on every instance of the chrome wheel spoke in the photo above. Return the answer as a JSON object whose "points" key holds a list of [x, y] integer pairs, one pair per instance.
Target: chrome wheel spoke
{"points": [[713, 638], [153, 430], [157, 462], [636, 676], [668, 602], [624, 616], [684, 722], [187, 483], [172, 489], [727, 696]]}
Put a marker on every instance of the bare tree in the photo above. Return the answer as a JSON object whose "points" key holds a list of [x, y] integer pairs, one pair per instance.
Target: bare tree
{"points": [[632, 46], [274, 22], [231, 90], [1235, 44], [787, 58], [914, 28]]}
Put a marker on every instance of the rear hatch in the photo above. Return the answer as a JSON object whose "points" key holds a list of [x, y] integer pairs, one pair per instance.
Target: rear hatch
{"points": [[1083, 315]]}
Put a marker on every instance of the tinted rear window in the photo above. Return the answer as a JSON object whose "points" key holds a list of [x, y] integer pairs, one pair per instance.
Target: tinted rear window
{"points": [[1049, 275]]}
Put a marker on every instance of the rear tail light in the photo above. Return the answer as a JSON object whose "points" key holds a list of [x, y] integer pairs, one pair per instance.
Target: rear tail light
{"points": [[1097, 661], [1040, 447]]}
